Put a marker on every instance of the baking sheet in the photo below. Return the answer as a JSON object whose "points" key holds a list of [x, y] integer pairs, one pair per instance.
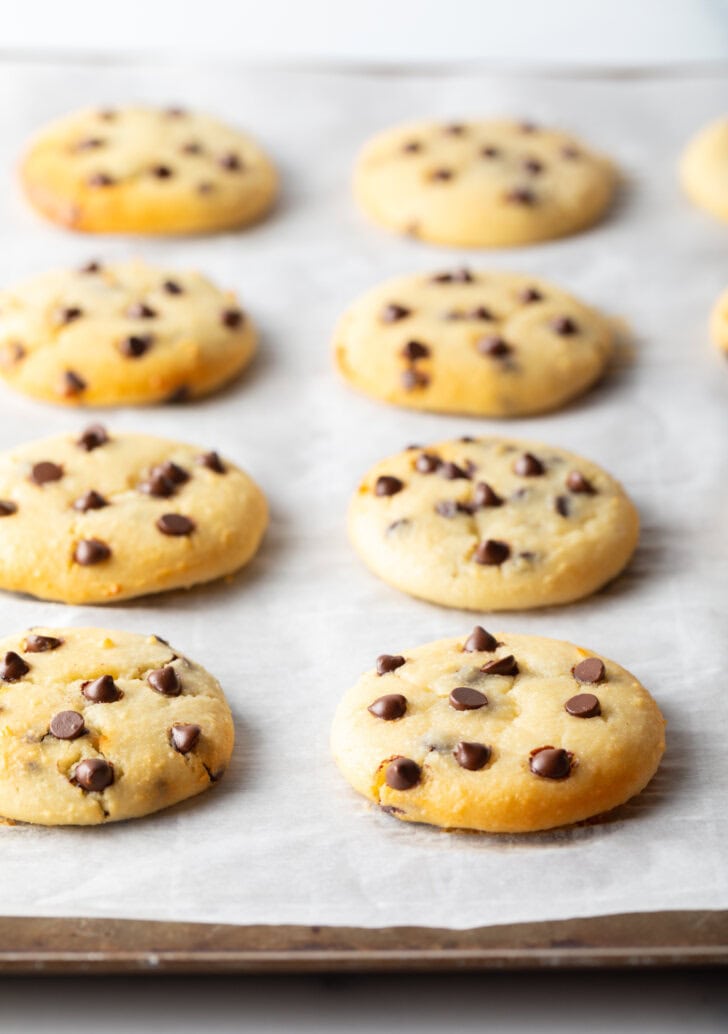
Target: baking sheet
{"points": [[282, 839]]}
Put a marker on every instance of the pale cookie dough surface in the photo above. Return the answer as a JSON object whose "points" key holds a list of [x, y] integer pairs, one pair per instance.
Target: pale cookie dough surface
{"points": [[704, 169], [147, 170], [130, 516], [482, 184], [122, 333], [492, 524], [132, 729], [472, 342], [598, 762], [719, 322]]}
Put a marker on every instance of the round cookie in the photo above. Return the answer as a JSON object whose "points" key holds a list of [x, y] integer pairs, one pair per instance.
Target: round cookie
{"points": [[503, 734], [477, 343], [100, 517], [147, 170], [100, 726], [494, 183], [704, 169], [123, 333], [492, 524]]}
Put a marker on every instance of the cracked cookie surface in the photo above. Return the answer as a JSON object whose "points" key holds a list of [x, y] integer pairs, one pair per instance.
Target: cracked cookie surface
{"points": [[147, 170], [493, 183], [98, 517], [99, 726], [122, 333], [499, 733], [478, 342], [492, 524]]}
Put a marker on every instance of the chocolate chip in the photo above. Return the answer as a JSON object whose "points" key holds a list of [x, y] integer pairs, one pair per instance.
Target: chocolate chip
{"points": [[99, 179], [412, 147], [388, 485], [172, 287], [70, 314], [90, 501], [230, 161], [484, 496], [402, 774], [91, 551], [501, 666], [191, 147], [589, 670], [162, 172], [480, 641], [136, 345], [392, 313], [450, 508], [414, 350], [94, 774], [550, 763], [91, 267], [441, 175], [165, 681], [564, 326], [463, 698], [389, 707], [583, 705], [102, 690], [492, 552], [452, 471], [212, 461], [521, 196], [176, 474], [7, 507], [528, 466], [472, 756], [562, 505], [157, 485], [41, 643], [91, 143], [480, 313], [457, 276], [175, 524], [533, 165], [183, 737], [108, 114], [428, 463], [93, 437], [454, 129], [72, 384], [140, 311], [67, 725], [412, 379], [13, 667], [174, 112], [576, 482], [493, 346], [45, 471], [232, 318], [489, 151], [530, 294], [387, 662]]}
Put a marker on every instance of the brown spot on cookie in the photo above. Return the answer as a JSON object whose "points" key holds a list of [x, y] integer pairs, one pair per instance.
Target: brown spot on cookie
{"points": [[91, 267], [69, 315], [45, 472], [13, 667], [452, 471], [91, 500], [589, 670], [175, 524], [456, 276], [414, 350], [528, 466], [172, 287], [464, 698], [472, 756], [94, 436], [388, 662], [484, 496], [165, 681], [91, 551], [41, 643], [530, 294], [494, 347], [583, 705], [231, 162], [480, 641], [162, 172], [93, 774], [7, 507], [232, 318], [564, 326], [489, 151], [157, 485], [212, 461], [402, 774], [67, 725], [72, 384], [532, 166], [192, 147], [441, 175], [141, 311], [521, 196], [100, 179], [492, 553], [576, 482], [388, 485], [90, 143], [136, 345], [550, 762], [427, 463], [413, 379], [562, 505], [102, 690], [393, 312], [389, 707], [501, 666], [184, 737], [454, 129]]}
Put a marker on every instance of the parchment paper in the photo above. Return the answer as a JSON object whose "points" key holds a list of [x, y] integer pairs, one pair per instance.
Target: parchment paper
{"points": [[283, 839]]}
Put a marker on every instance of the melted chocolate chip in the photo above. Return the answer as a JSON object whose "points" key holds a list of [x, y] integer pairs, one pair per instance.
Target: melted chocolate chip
{"points": [[528, 466], [521, 196], [457, 276], [93, 437], [175, 524], [165, 681], [564, 326], [230, 161], [91, 551], [494, 347], [489, 151], [69, 314], [90, 501], [136, 345], [232, 318], [412, 379], [530, 294], [484, 496], [492, 553], [94, 774], [72, 384], [387, 662], [67, 725], [102, 690], [550, 763], [480, 313], [212, 461], [463, 698], [41, 643], [402, 774], [13, 667], [472, 756], [589, 670], [501, 666], [7, 507], [162, 172], [99, 179], [428, 463], [184, 738], [441, 175], [91, 267], [576, 482], [452, 471], [44, 472], [533, 165], [583, 705], [414, 350], [388, 485], [562, 505], [389, 707], [141, 311], [392, 313], [480, 641]]}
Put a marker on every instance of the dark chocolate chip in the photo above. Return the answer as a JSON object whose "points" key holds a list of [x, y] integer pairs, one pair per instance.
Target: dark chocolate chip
{"points": [[136, 345], [13, 667], [450, 508], [472, 756], [67, 725], [90, 501], [387, 662], [412, 147], [480, 641], [140, 311], [533, 165], [484, 496], [492, 552], [175, 524], [528, 466], [172, 287], [550, 763], [212, 461], [501, 666], [165, 681], [45, 471], [452, 471], [463, 698], [530, 294], [402, 774], [68, 315], [441, 175], [576, 482], [412, 379], [489, 151], [392, 313], [230, 161], [162, 172], [493, 346], [414, 350], [583, 705], [7, 507], [479, 313], [93, 437], [389, 707], [102, 690], [72, 384], [99, 179], [91, 267], [428, 463], [41, 643], [564, 326], [589, 670], [91, 551], [232, 318], [184, 737], [562, 505], [94, 774], [521, 196], [157, 485], [456, 276], [388, 485], [176, 474]]}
